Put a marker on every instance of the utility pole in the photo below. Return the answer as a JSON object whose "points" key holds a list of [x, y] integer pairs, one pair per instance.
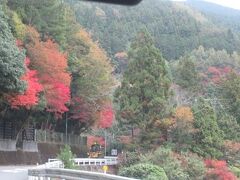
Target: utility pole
{"points": [[66, 127], [105, 143]]}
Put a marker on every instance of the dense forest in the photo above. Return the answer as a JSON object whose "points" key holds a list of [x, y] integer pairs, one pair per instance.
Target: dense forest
{"points": [[218, 14], [176, 27], [51, 68], [160, 78]]}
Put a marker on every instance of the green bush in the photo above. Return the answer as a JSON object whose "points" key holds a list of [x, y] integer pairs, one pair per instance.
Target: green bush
{"points": [[144, 171], [195, 167], [235, 170], [207, 151], [131, 159], [66, 156], [172, 166]]}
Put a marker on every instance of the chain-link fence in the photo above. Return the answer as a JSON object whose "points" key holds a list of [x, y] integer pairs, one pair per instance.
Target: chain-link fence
{"points": [[60, 138]]}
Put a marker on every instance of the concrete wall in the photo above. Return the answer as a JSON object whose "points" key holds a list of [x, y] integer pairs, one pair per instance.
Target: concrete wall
{"points": [[30, 146], [18, 158], [7, 145], [30, 156]]}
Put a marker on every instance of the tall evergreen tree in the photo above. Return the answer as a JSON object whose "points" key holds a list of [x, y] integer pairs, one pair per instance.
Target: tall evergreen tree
{"points": [[51, 18], [209, 137], [11, 60], [187, 76], [145, 89], [230, 94]]}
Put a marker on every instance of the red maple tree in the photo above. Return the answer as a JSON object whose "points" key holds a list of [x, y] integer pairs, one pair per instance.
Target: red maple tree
{"points": [[95, 139], [51, 65], [81, 111], [218, 170], [57, 95], [106, 116], [215, 74], [29, 97]]}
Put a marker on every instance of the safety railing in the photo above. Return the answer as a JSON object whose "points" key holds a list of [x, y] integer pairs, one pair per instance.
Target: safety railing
{"points": [[68, 174], [107, 160], [52, 164]]}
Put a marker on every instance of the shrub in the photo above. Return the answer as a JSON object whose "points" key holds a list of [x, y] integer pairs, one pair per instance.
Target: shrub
{"points": [[218, 170], [144, 171], [66, 156], [235, 171], [172, 166], [131, 159], [195, 167], [232, 152]]}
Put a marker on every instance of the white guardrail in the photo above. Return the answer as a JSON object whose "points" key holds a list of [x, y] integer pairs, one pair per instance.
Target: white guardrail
{"points": [[107, 160], [54, 169], [69, 174], [52, 164]]}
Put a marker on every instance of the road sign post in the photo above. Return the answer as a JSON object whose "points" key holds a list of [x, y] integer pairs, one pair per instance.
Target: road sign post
{"points": [[105, 169]]}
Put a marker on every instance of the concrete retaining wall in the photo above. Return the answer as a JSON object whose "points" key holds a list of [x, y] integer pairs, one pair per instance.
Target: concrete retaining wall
{"points": [[30, 146], [7, 145], [30, 156]]}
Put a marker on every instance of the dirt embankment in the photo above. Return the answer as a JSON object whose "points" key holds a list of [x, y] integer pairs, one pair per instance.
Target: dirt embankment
{"points": [[45, 151]]}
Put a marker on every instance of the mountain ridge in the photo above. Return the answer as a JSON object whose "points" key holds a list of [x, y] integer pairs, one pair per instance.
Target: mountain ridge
{"points": [[177, 27]]}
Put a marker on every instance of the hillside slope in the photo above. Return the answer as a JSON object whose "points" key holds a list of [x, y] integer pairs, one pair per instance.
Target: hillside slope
{"points": [[220, 15], [176, 27]]}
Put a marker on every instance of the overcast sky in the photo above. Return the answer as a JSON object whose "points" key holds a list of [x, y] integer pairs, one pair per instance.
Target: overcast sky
{"points": [[229, 3]]}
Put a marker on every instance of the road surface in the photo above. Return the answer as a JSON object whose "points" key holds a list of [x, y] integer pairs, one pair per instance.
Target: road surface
{"points": [[14, 172]]}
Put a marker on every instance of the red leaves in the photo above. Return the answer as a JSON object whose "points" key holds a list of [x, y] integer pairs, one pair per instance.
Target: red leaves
{"points": [[57, 94], [92, 139], [30, 97], [51, 65], [55, 63], [218, 170], [81, 110], [215, 164], [106, 116], [214, 74]]}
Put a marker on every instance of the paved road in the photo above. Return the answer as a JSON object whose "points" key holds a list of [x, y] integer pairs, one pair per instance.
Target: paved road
{"points": [[14, 172]]}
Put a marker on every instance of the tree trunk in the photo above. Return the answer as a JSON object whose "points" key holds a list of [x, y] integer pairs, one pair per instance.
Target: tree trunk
{"points": [[19, 138]]}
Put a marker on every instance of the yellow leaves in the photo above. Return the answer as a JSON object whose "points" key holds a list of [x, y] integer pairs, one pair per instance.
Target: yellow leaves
{"points": [[164, 123], [184, 114], [95, 68], [95, 51], [184, 119], [19, 27]]}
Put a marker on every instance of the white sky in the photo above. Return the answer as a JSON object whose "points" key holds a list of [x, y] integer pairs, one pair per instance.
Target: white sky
{"points": [[229, 3]]}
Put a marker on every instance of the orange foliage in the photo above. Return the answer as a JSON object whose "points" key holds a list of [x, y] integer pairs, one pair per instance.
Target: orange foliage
{"points": [[106, 116], [92, 139], [95, 51], [52, 66], [184, 113], [46, 58], [234, 146]]}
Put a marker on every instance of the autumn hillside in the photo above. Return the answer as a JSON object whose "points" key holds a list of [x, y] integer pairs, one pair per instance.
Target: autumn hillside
{"points": [[158, 82]]}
